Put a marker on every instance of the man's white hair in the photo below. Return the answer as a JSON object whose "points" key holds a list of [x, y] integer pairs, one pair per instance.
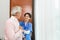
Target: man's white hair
{"points": [[16, 9]]}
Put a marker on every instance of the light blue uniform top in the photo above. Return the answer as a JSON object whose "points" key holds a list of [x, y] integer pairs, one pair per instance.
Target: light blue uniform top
{"points": [[26, 27]]}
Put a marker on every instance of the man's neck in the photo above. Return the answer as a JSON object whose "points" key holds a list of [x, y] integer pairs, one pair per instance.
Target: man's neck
{"points": [[16, 17]]}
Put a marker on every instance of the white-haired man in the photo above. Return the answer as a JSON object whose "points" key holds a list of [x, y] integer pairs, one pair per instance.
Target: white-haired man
{"points": [[12, 29]]}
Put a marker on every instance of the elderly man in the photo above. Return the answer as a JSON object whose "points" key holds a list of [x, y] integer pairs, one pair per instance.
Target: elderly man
{"points": [[12, 30]]}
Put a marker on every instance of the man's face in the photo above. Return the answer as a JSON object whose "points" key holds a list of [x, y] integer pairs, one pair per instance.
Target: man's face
{"points": [[18, 15], [26, 18]]}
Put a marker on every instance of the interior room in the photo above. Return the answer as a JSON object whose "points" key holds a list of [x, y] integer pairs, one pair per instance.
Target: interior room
{"points": [[46, 18]]}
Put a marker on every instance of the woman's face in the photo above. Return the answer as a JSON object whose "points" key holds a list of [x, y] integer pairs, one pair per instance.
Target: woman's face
{"points": [[26, 18]]}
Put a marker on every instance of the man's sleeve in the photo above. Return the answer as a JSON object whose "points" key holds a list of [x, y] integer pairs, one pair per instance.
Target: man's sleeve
{"points": [[20, 23], [10, 31]]}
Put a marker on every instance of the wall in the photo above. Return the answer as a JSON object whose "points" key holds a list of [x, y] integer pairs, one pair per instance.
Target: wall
{"points": [[4, 15], [47, 19]]}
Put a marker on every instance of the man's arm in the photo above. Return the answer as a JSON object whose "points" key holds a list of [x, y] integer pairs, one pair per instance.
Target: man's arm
{"points": [[9, 31]]}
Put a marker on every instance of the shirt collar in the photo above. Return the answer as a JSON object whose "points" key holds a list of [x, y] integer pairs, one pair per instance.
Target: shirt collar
{"points": [[14, 18]]}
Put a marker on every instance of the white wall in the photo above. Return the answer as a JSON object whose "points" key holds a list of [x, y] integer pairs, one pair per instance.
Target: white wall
{"points": [[47, 19], [4, 15]]}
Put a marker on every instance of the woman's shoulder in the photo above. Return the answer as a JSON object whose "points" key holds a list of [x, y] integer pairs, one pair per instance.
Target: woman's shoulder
{"points": [[30, 23]]}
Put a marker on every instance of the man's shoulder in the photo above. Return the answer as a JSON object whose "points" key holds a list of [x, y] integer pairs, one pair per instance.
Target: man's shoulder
{"points": [[9, 21]]}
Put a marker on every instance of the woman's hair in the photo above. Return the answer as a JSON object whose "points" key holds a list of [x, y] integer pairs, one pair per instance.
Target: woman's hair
{"points": [[27, 14]]}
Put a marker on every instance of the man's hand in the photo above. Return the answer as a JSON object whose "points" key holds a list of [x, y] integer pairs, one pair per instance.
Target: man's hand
{"points": [[20, 27]]}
